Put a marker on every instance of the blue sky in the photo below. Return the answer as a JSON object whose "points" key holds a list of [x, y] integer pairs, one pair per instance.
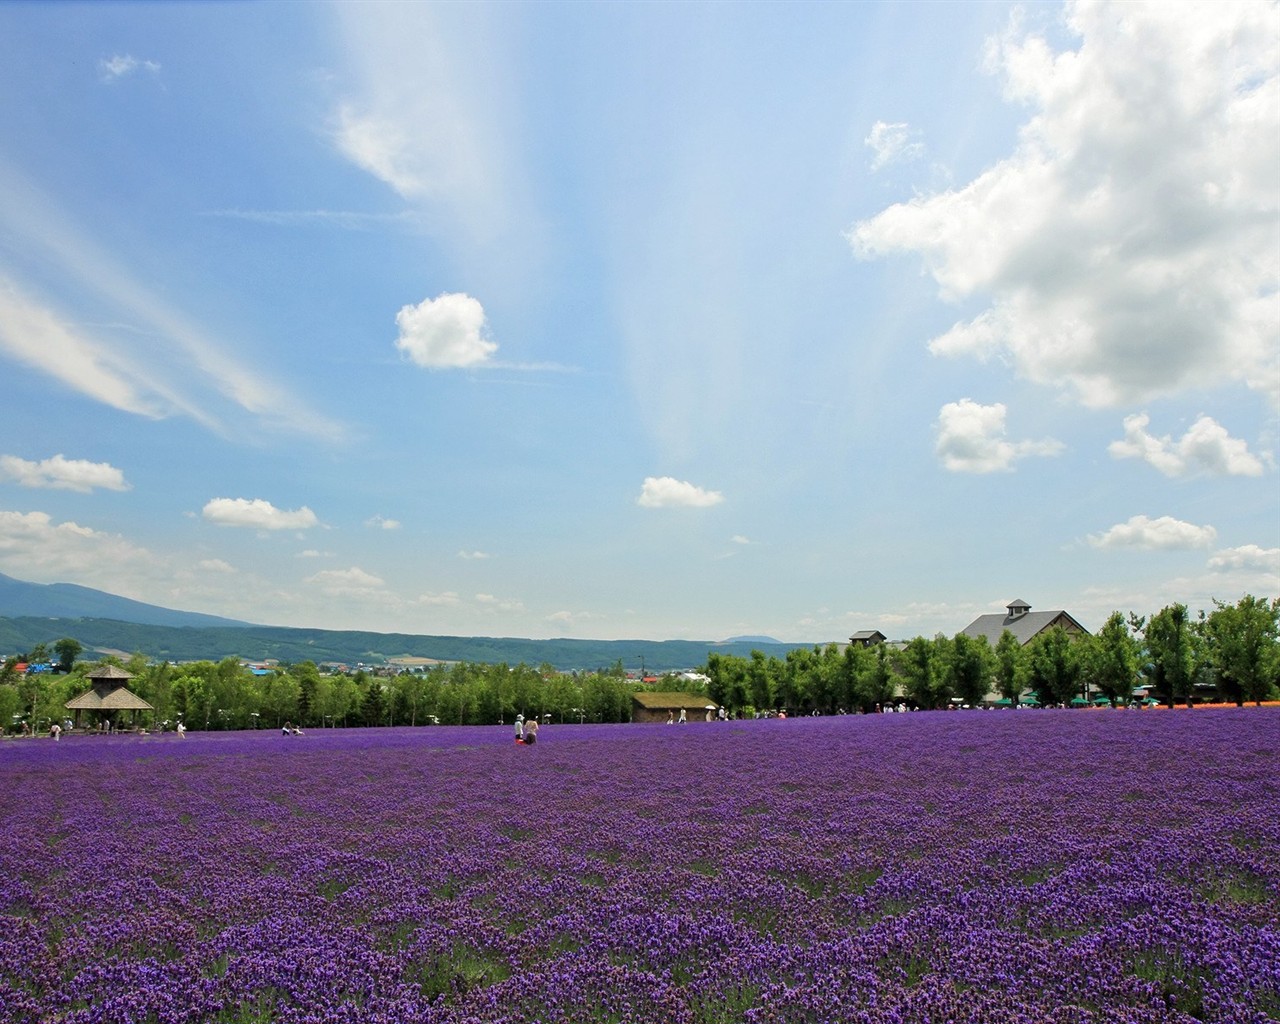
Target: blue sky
{"points": [[641, 320]]}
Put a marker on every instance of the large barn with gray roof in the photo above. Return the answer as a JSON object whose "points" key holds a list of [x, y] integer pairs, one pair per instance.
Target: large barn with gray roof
{"points": [[1022, 622]]}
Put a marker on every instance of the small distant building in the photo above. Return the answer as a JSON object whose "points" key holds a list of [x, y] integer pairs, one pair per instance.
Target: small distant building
{"points": [[1022, 622], [867, 638], [109, 694], [655, 707]]}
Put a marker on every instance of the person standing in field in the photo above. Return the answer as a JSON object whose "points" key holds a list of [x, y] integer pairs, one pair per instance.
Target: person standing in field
{"points": [[55, 731], [683, 719], [531, 731], [519, 728]]}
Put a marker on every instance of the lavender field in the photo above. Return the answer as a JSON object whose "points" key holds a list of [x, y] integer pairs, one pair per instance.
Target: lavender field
{"points": [[1063, 867]]}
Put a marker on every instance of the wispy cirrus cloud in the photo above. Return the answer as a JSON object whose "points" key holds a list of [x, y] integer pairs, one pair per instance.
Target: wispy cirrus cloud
{"points": [[890, 143], [60, 473], [668, 492], [257, 514], [420, 119], [160, 364]]}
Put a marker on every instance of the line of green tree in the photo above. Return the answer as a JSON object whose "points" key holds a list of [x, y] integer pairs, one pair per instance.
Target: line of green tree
{"points": [[1232, 653], [229, 695]]}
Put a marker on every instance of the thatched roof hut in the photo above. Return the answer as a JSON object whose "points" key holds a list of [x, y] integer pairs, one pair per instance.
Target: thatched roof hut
{"points": [[109, 693]]}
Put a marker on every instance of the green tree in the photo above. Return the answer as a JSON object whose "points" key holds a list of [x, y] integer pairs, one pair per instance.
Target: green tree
{"points": [[1053, 666], [761, 685], [969, 667], [308, 678], [373, 705], [278, 696], [67, 650], [1110, 659], [923, 680], [876, 683], [1171, 653], [1010, 667], [1243, 647]]}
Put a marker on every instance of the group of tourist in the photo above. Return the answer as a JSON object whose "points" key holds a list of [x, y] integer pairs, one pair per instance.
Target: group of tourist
{"points": [[526, 731]]}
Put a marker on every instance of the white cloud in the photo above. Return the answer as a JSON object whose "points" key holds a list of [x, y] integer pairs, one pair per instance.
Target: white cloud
{"points": [[474, 555], [447, 331], [34, 547], [120, 65], [379, 522], [1247, 557], [892, 142], [353, 577], [1163, 534], [34, 335], [151, 360], [215, 565], [383, 148], [421, 117], [61, 473], [971, 439], [667, 492], [445, 599], [356, 585], [499, 604], [257, 514], [313, 553], [737, 538], [1205, 448], [1128, 244]]}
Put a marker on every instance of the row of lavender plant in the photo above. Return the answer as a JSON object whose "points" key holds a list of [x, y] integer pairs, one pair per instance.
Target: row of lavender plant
{"points": [[1038, 867]]}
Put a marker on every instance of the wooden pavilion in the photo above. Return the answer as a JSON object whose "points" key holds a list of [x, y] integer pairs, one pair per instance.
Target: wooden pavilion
{"points": [[109, 695]]}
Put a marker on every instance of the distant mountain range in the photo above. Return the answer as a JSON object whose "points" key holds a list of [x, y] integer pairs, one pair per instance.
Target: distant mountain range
{"points": [[32, 613], [19, 599]]}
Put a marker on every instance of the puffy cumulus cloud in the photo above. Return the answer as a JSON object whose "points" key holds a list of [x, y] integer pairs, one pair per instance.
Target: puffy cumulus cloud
{"points": [[34, 547], [1248, 558], [1163, 534], [61, 473], [120, 65], [353, 582], [444, 332], [1205, 448], [971, 439], [382, 523], [1128, 243], [668, 492], [257, 514], [892, 142]]}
